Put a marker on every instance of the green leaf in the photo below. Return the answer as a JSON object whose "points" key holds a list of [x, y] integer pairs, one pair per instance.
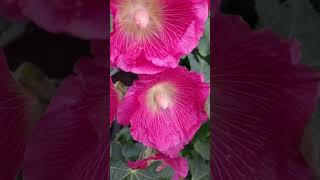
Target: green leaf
{"points": [[204, 44], [115, 152], [123, 136], [203, 149], [203, 133], [199, 168], [200, 66], [293, 19], [132, 151], [120, 171]]}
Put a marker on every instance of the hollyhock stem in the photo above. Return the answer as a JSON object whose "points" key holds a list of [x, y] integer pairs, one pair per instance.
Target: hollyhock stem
{"points": [[148, 152], [121, 88], [141, 155]]}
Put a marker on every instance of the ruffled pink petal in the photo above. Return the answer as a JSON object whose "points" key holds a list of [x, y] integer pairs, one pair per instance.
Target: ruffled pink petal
{"points": [[178, 164], [15, 114], [166, 130], [139, 164], [139, 66], [82, 18], [11, 9], [183, 25], [262, 99], [70, 141]]}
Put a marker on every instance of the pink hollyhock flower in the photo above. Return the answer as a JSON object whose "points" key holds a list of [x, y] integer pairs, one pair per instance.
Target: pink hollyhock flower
{"points": [[166, 109], [262, 98], [114, 101], [82, 18], [71, 140], [15, 116], [178, 164], [11, 9], [151, 35]]}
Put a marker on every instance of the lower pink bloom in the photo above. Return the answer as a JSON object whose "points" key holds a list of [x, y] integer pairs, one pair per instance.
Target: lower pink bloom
{"points": [[71, 140], [262, 100], [178, 164], [15, 116], [82, 18], [166, 109]]}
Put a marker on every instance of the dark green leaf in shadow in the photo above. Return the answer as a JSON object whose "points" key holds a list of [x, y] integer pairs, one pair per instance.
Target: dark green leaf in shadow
{"points": [[120, 171], [203, 149], [199, 168]]}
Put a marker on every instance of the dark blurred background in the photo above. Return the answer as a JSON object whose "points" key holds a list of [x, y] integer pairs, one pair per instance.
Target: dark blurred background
{"points": [[55, 54]]}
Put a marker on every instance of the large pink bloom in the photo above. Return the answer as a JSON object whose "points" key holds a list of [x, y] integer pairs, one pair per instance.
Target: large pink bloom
{"points": [[82, 18], [71, 141], [15, 116], [151, 35], [165, 110], [178, 164], [262, 99]]}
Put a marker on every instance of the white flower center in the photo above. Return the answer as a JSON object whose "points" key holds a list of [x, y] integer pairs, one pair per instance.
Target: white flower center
{"points": [[141, 18], [160, 96], [162, 99]]}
